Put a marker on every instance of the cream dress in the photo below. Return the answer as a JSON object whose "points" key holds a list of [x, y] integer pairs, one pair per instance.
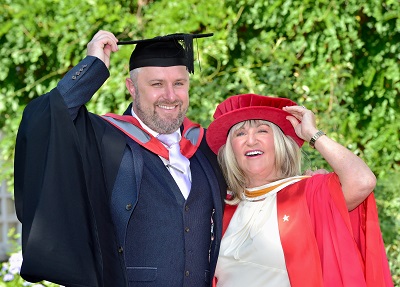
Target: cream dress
{"points": [[251, 252]]}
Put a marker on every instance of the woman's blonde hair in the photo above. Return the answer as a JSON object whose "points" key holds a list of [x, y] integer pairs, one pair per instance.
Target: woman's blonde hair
{"points": [[287, 159]]}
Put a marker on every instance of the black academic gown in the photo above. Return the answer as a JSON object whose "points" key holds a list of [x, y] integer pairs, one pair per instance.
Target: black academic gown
{"points": [[62, 198], [64, 176]]}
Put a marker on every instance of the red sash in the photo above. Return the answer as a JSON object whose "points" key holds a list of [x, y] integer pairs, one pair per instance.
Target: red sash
{"points": [[192, 135]]}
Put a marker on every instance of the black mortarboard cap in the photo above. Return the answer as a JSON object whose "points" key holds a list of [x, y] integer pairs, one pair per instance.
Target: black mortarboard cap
{"points": [[164, 51]]}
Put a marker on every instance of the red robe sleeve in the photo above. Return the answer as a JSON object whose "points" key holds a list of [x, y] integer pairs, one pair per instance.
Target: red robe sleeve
{"points": [[365, 224], [324, 244]]}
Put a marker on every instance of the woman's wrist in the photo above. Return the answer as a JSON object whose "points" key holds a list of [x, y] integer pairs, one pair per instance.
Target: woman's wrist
{"points": [[315, 137]]}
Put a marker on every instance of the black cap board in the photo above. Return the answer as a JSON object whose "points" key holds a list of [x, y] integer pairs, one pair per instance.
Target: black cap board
{"points": [[164, 51]]}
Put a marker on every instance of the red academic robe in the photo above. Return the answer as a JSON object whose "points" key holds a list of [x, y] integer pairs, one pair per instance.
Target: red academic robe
{"points": [[323, 243]]}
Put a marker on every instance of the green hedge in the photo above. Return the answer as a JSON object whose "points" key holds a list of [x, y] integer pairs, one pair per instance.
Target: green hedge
{"points": [[339, 58]]}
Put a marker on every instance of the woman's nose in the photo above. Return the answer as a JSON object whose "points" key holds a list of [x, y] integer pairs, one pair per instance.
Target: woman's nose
{"points": [[251, 138]]}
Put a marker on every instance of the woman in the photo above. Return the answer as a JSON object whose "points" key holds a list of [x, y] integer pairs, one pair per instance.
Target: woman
{"points": [[284, 229]]}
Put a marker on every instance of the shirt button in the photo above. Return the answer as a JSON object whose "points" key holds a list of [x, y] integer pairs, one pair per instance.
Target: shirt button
{"points": [[187, 229], [186, 208], [187, 273], [128, 206], [120, 249], [73, 77]]}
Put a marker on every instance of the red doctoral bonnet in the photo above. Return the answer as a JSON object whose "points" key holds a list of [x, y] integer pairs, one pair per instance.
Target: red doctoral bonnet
{"points": [[239, 108]]}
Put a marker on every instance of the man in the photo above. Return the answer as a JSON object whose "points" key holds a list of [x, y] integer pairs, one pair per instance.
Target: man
{"points": [[101, 200]]}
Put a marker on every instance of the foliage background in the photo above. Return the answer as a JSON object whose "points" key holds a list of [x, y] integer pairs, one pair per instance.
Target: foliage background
{"points": [[340, 58]]}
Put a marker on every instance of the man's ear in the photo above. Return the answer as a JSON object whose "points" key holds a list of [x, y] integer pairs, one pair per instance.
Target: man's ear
{"points": [[131, 88]]}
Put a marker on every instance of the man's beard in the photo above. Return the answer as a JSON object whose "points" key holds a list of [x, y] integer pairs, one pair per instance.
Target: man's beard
{"points": [[155, 122]]}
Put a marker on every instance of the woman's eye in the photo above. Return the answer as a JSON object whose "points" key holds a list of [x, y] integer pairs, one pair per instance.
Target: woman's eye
{"points": [[263, 129], [238, 134]]}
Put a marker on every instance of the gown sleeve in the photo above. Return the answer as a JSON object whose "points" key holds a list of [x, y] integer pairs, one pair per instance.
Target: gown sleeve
{"points": [[350, 243], [61, 196], [51, 197]]}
